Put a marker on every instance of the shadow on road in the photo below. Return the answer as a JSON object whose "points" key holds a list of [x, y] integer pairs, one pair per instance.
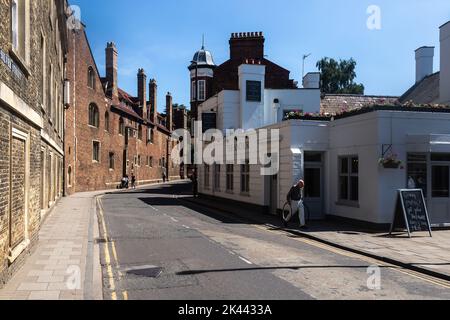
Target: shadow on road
{"points": [[195, 272]]}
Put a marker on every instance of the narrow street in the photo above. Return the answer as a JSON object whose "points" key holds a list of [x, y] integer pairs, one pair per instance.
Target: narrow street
{"points": [[198, 253]]}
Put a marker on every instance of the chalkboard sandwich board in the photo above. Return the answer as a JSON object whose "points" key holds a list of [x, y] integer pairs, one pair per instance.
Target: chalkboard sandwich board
{"points": [[411, 212]]}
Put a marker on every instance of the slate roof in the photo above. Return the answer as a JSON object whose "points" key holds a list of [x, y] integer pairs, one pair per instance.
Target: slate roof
{"points": [[336, 103], [423, 92]]}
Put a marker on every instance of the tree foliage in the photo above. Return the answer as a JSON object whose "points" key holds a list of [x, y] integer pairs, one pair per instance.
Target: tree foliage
{"points": [[337, 77]]}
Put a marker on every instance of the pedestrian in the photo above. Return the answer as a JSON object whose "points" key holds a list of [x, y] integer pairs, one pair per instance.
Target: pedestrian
{"points": [[194, 180], [164, 175], [133, 181], [295, 198]]}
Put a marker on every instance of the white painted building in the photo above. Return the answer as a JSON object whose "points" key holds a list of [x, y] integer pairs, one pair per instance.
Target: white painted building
{"points": [[337, 157]]}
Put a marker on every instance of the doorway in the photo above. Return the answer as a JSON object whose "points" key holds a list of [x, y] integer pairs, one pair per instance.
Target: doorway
{"points": [[440, 193], [313, 192], [18, 211], [273, 194]]}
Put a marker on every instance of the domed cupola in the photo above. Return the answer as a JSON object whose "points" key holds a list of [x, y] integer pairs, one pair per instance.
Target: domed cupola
{"points": [[202, 58], [201, 71]]}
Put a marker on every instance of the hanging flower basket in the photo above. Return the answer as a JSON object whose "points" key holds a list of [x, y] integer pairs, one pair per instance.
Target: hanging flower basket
{"points": [[390, 162]]}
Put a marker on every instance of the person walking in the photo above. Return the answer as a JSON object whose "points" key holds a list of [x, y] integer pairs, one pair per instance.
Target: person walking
{"points": [[194, 179], [295, 198], [133, 181], [164, 175]]}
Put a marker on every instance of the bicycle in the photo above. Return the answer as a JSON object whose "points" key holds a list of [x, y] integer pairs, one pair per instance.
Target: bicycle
{"points": [[287, 213]]}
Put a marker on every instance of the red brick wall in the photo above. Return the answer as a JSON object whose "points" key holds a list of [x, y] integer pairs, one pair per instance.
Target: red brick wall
{"points": [[88, 175]]}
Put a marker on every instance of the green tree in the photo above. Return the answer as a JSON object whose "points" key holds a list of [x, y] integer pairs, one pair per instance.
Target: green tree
{"points": [[337, 77]]}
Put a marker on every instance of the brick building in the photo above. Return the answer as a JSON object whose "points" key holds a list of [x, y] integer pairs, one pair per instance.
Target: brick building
{"points": [[33, 46], [109, 132]]}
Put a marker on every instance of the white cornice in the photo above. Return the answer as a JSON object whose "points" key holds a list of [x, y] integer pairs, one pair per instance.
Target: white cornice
{"points": [[51, 142], [18, 105]]}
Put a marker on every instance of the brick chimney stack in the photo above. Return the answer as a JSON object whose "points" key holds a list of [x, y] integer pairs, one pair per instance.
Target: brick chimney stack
{"points": [[169, 112], [142, 92], [153, 88], [111, 69], [247, 45]]}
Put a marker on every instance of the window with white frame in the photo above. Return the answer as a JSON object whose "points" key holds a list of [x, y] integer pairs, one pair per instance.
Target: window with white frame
{"points": [[111, 161], [201, 90], [217, 168], [91, 78], [230, 177], [44, 72], [121, 127], [15, 24], [206, 176], [19, 25], [96, 151], [245, 177], [50, 91], [140, 132], [94, 115], [349, 179], [193, 91]]}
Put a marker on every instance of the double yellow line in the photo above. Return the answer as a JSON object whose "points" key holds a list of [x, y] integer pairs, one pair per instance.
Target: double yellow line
{"points": [[109, 267]]}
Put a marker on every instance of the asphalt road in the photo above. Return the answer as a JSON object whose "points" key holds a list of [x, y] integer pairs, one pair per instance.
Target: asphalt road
{"points": [[199, 253]]}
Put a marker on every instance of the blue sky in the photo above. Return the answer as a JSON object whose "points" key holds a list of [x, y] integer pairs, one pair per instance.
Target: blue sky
{"points": [[162, 36]]}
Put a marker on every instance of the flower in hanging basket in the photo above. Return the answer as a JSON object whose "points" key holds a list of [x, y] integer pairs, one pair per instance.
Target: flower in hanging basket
{"points": [[390, 162]]}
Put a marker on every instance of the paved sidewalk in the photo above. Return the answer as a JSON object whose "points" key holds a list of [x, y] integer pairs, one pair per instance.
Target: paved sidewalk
{"points": [[422, 253], [65, 265]]}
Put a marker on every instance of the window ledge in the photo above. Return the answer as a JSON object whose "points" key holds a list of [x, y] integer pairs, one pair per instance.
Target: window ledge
{"points": [[351, 204], [245, 194], [93, 127], [20, 62]]}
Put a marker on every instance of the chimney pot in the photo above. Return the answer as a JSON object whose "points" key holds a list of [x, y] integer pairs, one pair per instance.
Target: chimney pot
{"points": [[424, 62]]}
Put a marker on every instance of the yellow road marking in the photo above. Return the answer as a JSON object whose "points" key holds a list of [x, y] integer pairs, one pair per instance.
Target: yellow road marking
{"points": [[329, 248], [109, 269]]}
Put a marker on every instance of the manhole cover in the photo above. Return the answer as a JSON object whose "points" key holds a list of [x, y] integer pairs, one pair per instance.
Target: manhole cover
{"points": [[145, 271]]}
